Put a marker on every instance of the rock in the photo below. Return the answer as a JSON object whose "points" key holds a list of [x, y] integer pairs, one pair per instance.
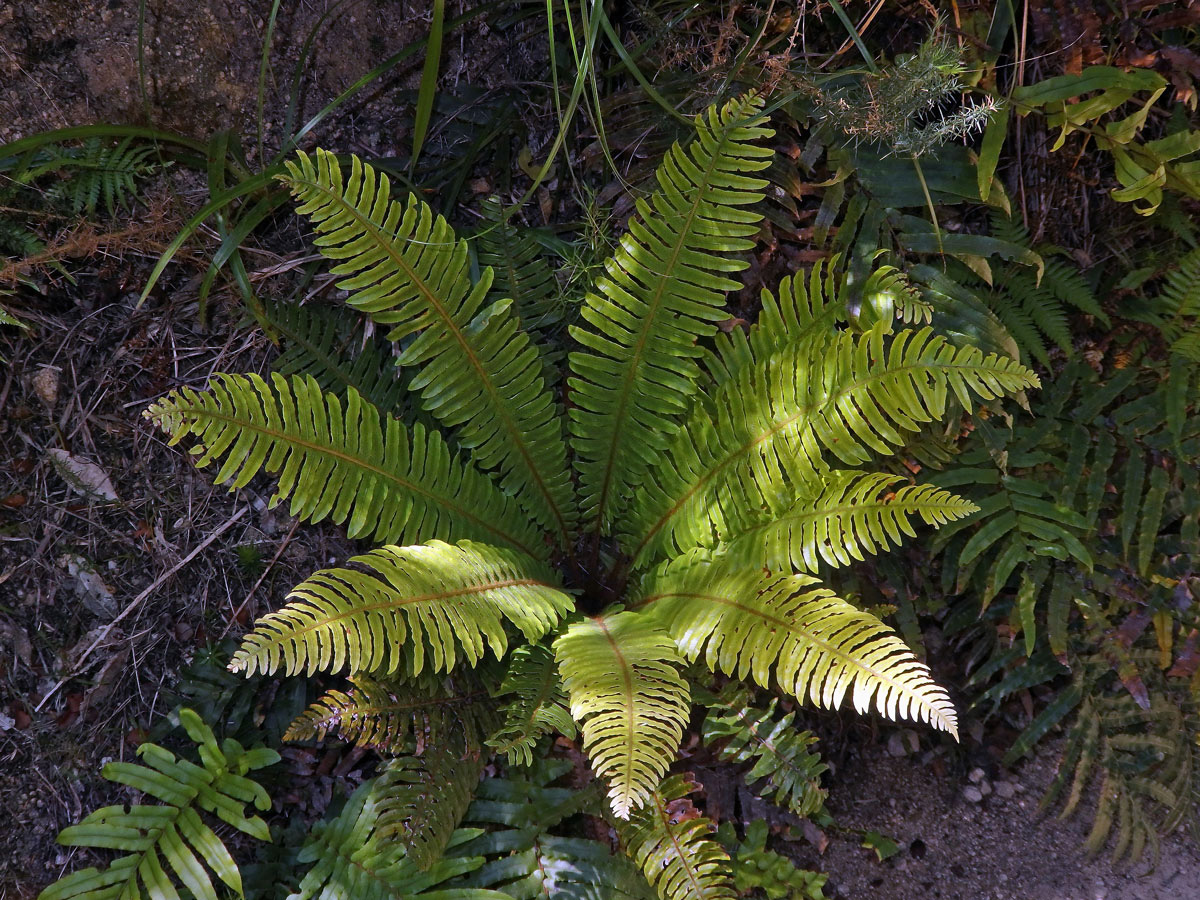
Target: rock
{"points": [[976, 775], [972, 794], [1005, 790], [985, 788]]}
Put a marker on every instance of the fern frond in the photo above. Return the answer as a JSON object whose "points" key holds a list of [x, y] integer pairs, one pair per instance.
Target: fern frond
{"points": [[345, 463], [387, 716], [664, 289], [676, 852], [815, 645], [96, 171], [527, 861], [755, 868], [521, 271], [350, 859], [422, 798], [766, 433], [779, 754], [539, 707], [437, 600], [853, 514], [7, 318], [319, 341], [621, 672], [478, 370], [171, 842]]}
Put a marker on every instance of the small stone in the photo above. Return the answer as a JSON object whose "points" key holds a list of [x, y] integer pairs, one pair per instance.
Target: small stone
{"points": [[975, 776], [985, 788], [972, 794], [45, 385], [1005, 789], [895, 745]]}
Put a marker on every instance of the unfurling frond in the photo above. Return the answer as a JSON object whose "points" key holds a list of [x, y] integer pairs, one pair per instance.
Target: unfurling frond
{"points": [[431, 600], [422, 798], [838, 521], [456, 711], [351, 859], [170, 843], [664, 289], [478, 370], [346, 463], [815, 645], [674, 847], [768, 431], [539, 707], [621, 672], [779, 753]]}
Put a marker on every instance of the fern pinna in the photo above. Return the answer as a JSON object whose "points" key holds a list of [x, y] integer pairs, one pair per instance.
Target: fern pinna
{"points": [[676, 513]]}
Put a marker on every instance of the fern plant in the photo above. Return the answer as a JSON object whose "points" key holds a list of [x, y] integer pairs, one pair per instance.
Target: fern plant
{"points": [[171, 843], [671, 501]]}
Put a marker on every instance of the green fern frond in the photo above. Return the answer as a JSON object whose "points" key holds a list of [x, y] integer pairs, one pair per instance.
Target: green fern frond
{"points": [[350, 859], [320, 342], [521, 270], [780, 755], [526, 860], [755, 868], [432, 600], [1065, 282], [170, 843], [478, 370], [766, 433], [346, 463], [853, 514], [663, 290], [421, 799], [387, 716], [95, 171], [814, 644], [674, 847], [7, 318], [539, 707], [621, 672]]}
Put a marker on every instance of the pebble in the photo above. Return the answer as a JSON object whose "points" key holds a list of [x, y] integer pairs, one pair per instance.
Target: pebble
{"points": [[975, 776], [972, 794], [1005, 790]]}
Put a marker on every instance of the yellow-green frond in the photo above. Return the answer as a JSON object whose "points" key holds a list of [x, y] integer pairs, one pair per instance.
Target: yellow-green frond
{"points": [[478, 370], [816, 645], [347, 464], [664, 289], [842, 519], [768, 432], [674, 846], [621, 672], [413, 606]]}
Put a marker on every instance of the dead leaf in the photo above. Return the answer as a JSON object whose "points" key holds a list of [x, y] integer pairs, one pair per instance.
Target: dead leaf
{"points": [[1188, 660], [97, 596], [85, 477]]}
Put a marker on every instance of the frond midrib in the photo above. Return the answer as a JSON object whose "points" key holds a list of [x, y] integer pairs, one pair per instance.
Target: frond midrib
{"points": [[498, 406], [328, 450], [627, 680], [648, 321], [777, 754], [680, 852], [786, 625], [827, 400]]}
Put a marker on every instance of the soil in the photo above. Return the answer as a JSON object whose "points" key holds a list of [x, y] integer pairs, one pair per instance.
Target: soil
{"points": [[101, 602]]}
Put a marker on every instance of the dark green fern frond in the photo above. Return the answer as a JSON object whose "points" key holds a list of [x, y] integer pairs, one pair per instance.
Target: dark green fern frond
{"points": [[522, 272], [779, 755], [350, 859], [171, 843], [621, 672], [346, 463], [372, 713], [477, 370], [321, 342], [539, 707], [425, 604], [526, 859], [674, 848], [94, 173], [422, 797], [663, 290], [785, 630], [755, 868]]}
